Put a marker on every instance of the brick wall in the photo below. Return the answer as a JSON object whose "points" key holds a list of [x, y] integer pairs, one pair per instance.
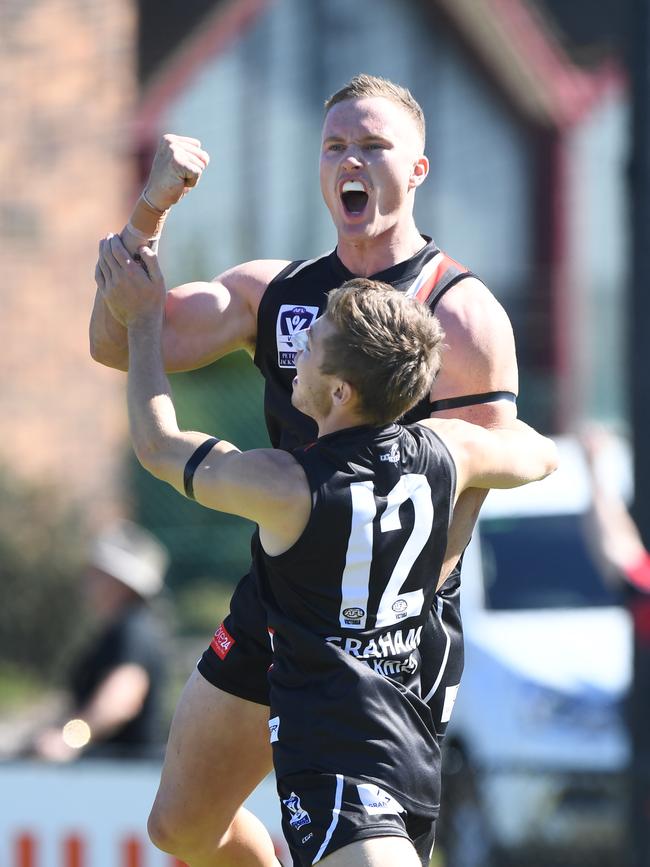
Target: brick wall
{"points": [[67, 79]]}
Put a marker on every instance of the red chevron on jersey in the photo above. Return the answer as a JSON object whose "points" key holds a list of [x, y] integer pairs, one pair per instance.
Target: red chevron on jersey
{"points": [[444, 270]]}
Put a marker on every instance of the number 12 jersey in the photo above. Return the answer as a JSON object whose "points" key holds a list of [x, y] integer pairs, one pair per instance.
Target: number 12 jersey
{"points": [[346, 606]]}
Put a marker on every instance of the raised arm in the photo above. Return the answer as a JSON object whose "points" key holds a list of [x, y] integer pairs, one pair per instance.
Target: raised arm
{"points": [[177, 166], [264, 485], [203, 321]]}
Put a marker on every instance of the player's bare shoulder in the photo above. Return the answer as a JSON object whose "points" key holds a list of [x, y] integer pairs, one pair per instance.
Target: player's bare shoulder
{"points": [[206, 320], [251, 279], [278, 472], [277, 493], [479, 354]]}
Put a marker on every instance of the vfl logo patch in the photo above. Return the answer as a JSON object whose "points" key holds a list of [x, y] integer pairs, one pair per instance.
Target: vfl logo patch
{"points": [[291, 318], [393, 455], [399, 607], [376, 800], [299, 817], [353, 615], [274, 729], [221, 642]]}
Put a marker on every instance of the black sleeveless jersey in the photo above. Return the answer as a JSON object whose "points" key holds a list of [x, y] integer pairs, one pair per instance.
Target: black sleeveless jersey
{"points": [[298, 295], [346, 607]]}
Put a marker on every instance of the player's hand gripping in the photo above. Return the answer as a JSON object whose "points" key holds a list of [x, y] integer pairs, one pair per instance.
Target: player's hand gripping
{"points": [[177, 167], [132, 290]]}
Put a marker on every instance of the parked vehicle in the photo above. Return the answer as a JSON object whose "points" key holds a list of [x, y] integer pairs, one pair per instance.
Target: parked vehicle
{"points": [[537, 747]]}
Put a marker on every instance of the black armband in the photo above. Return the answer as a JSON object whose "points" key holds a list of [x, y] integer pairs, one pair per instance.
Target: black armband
{"points": [[193, 463], [471, 400]]}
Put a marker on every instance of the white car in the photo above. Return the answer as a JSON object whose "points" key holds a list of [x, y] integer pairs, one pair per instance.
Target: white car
{"points": [[537, 746]]}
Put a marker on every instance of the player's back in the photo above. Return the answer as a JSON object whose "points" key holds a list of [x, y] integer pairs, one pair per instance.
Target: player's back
{"points": [[347, 605]]}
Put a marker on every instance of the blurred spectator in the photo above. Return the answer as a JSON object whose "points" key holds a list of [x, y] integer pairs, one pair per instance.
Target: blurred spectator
{"points": [[614, 536], [617, 542], [116, 685]]}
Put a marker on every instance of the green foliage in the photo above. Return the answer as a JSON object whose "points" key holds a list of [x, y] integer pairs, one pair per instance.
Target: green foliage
{"points": [[41, 546], [18, 687], [201, 605]]}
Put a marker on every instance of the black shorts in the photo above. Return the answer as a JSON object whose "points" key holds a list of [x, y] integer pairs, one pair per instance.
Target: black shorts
{"points": [[443, 653], [239, 656], [324, 812]]}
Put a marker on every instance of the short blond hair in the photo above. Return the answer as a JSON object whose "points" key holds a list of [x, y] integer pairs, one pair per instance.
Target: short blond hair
{"points": [[364, 85], [385, 344]]}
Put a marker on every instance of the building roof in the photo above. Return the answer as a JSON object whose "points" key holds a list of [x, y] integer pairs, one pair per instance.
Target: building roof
{"points": [[518, 44], [522, 51], [163, 26], [590, 30], [212, 33]]}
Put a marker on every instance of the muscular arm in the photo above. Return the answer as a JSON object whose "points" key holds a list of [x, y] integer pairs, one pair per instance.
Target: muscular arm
{"points": [[497, 458], [266, 486], [203, 321], [479, 354], [494, 458], [479, 357]]}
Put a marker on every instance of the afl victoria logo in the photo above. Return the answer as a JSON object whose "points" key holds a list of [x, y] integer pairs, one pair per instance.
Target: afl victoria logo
{"points": [[291, 318], [353, 615]]}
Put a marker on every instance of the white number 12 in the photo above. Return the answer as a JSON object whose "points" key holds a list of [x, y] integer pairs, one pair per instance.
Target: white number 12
{"points": [[355, 583]]}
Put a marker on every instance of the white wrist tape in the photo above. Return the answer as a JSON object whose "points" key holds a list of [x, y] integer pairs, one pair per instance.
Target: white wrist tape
{"points": [[146, 221]]}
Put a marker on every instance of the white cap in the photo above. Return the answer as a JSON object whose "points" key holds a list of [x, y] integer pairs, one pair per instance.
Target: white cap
{"points": [[132, 555]]}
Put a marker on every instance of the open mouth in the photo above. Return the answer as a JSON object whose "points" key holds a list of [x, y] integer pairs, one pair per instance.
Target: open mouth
{"points": [[354, 197]]}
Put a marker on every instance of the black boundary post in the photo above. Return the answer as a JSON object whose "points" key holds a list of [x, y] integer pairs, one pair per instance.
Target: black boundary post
{"points": [[639, 360]]}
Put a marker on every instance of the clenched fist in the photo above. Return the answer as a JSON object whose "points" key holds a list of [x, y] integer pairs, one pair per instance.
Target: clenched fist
{"points": [[177, 166]]}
